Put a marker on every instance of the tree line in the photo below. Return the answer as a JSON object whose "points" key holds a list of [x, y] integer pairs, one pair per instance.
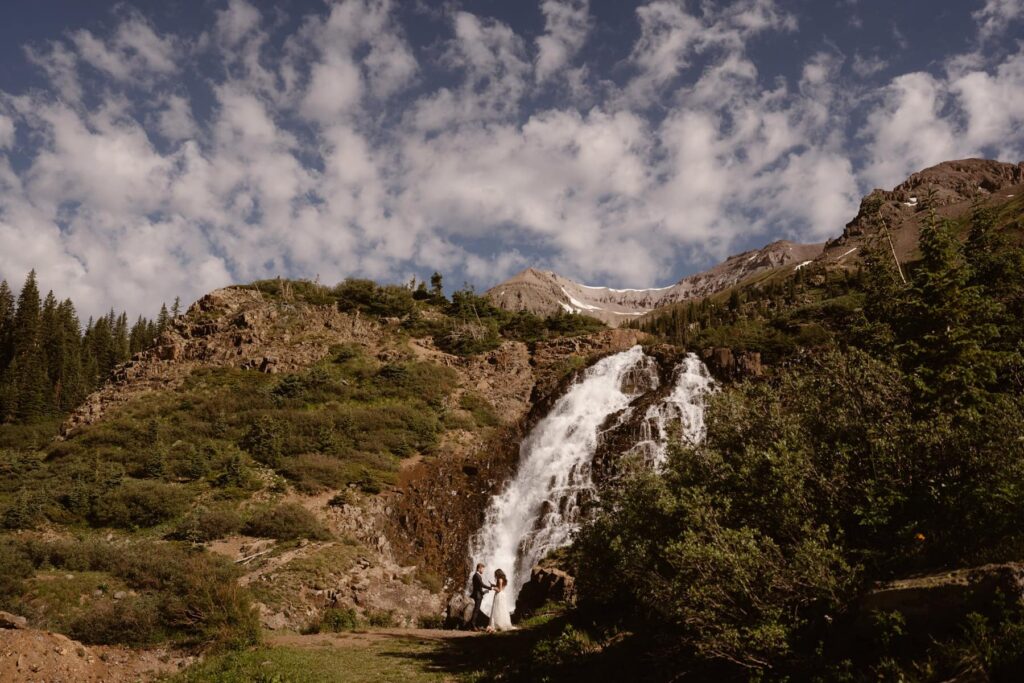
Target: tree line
{"points": [[49, 362]]}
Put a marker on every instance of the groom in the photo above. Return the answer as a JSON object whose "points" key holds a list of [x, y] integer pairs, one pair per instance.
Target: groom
{"points": [[478, 595]]}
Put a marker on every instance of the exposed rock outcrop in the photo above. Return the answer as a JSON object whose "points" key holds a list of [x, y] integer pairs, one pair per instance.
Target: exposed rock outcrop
{"points": [[936, 602], [546, 584], [727, 364], [953, 185]]}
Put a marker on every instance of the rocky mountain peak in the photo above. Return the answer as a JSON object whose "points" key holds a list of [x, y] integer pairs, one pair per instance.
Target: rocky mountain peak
{"points": [[950, 182], [546, 293]]}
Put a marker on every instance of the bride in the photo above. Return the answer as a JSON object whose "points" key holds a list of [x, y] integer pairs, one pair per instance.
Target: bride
{"points": [[501, 618]]}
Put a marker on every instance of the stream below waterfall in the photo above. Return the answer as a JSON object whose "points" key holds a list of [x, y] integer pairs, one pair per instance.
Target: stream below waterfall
{"points": [[539, 508]]}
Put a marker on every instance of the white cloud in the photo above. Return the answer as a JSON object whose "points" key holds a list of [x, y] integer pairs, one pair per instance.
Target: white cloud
{"points": [[341, 149], [134, 51], [907, 131], [996, 16], [236, 21], [868, 65], [671, 37], [175, 121], [566, 24], [6, 132], [334, 88]]}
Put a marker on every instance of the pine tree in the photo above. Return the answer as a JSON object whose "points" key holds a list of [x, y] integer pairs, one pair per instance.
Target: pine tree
{"points": [[176, 308], [6, 325], [30, 379], [162, 320], [945, 330], [122, 350], [71, 387]]}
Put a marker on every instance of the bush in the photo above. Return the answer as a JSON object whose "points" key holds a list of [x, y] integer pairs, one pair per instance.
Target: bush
{"points": [[431, 621], [138, 504], [367, 296], [286, 522], [337, 620], [130, 621], [380, 618], [15, 567], [190, 597], [204, 524]]}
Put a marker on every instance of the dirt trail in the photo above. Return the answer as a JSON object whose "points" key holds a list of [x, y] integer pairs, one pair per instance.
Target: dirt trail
{"points": [[364, 638]]}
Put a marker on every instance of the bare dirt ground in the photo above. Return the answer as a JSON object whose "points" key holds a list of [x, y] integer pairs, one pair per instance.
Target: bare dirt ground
{"points": [[364, 638], [39, 656]]}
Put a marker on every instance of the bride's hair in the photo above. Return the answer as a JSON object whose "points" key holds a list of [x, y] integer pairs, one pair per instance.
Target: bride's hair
{"points": [[500, 575]]}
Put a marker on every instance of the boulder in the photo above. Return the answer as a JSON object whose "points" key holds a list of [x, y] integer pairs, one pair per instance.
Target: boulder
{"points": [[937, 602], [545, 585], [9, 621]]}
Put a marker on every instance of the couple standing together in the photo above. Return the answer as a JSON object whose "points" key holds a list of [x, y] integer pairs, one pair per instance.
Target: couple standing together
{"points": [[501, 615]]}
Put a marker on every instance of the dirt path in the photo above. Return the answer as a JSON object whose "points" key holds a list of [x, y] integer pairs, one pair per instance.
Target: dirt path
{"points": [[364, 638]]}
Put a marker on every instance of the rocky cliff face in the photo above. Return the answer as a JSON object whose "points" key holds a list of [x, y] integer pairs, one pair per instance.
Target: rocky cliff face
{"points": [[545, 293], [953, 186]]}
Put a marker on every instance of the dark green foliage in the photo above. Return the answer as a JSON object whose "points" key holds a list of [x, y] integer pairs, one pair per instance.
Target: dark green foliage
{"points": [[186, 596], [286, 522], [886, 441], [337, 620], [369, 297], [138, 503], [48, 364], [207, 524]]}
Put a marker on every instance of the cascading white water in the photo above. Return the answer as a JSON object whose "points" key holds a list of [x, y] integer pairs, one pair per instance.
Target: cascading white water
{"points": [[539, 509], [684, 406]]}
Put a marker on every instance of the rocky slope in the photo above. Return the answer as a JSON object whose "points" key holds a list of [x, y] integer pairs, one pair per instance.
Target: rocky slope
{"points": [[545, 292], [955, 187]]}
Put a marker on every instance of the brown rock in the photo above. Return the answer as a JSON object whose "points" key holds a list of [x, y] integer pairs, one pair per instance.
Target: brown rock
{"points": [[8, 620], [545, 585]]}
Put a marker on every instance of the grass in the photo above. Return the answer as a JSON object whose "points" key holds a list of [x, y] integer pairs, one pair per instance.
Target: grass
{"points": [[391, 661]]}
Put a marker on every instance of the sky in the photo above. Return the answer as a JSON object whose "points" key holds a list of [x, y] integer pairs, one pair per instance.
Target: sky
{"points": [[166, 148]]}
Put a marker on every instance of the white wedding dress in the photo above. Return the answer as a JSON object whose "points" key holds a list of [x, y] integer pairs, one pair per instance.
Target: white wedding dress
{"points": [[501, 616]]}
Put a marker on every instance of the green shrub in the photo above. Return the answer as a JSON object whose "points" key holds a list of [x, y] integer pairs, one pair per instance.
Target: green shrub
{"points": [[15, 567], [338, 619], [287, 521], [367, 296], [190, 597], [431, 621], [205, 524], [137, 504], [262, 441], [130, 621], [380, 618]]}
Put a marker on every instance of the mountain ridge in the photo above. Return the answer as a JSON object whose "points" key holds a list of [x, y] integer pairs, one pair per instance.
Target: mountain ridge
{"points": [[951, 184], [547, 292]]}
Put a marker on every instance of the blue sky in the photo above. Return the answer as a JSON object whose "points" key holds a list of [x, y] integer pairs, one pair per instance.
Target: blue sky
{"points": [[154, 149]]}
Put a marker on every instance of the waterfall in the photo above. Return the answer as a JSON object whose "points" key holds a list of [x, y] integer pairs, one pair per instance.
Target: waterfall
{"points": [[539, 508], [683, 407]]}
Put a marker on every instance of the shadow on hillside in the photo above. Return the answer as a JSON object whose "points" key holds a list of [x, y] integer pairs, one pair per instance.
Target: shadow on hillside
{"points": [[487, 656]]}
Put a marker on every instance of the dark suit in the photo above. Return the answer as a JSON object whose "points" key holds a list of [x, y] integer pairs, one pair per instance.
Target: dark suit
{"points": [[478, 595]]}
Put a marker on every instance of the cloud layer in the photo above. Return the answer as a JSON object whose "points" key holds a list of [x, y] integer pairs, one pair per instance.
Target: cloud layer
{"points": [[150, 164]]}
